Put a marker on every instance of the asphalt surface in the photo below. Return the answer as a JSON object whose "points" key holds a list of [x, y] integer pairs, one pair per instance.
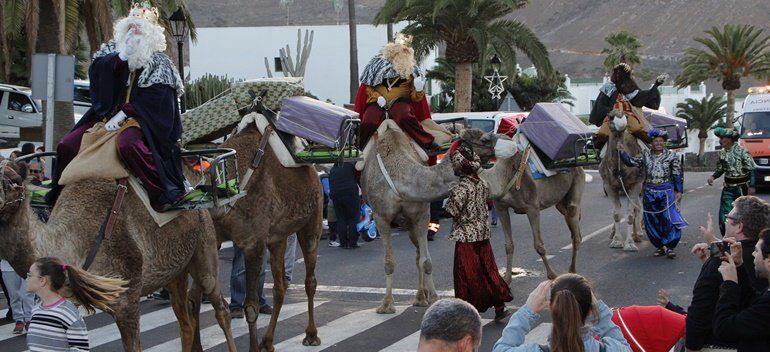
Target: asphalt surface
{"points": [[351, 282]]}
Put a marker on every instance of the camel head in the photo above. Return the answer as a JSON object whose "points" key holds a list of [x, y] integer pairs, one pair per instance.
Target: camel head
{"points": [[482, 143], [12, 189], [618, 121]]}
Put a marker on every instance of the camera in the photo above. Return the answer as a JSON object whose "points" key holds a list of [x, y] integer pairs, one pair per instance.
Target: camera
{"points": [[718, 248]]}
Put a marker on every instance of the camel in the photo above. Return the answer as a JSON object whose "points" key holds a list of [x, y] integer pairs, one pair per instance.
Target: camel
{"points": [[620, 179], [563, 191], [279, 201], [147, 256], [415, 185]]}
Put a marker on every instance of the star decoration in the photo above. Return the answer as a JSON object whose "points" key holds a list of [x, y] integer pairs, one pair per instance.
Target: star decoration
{"points": [[496, 84]]}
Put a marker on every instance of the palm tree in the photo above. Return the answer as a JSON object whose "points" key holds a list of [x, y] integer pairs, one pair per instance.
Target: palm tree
{"points": [[702, 116], [467, 28], [623, 47], [353, 49], [730, 53]]}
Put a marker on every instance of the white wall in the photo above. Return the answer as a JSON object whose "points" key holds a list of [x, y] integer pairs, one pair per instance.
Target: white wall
{"points": [[239, 52]]}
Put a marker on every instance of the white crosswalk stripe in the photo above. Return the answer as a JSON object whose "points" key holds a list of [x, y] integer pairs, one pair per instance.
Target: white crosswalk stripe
{"points": [[338, 323], [212, 336]]}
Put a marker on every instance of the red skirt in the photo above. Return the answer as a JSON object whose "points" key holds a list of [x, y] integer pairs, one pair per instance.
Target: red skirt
{"points": [[477, 279]]}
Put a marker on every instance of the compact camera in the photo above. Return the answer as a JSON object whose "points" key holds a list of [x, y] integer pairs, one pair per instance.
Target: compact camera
{"points": [[717, 249]]}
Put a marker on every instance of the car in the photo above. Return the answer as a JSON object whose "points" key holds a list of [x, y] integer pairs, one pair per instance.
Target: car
{"points": [[487, 121], [18, 110]]}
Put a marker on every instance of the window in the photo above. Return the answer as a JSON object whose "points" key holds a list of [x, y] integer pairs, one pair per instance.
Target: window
{"points": [[278, 64], [756, 125], [16, 102]]}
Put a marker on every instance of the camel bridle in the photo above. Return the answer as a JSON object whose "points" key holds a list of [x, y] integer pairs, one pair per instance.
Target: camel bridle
{"points": [[7, 184]]}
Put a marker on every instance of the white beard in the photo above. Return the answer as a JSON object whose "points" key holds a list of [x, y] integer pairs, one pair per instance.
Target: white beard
{"points": [[151, 40]]}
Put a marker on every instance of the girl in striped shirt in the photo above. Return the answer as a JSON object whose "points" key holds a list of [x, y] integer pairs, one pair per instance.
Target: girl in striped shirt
{"points": [[56, 323]]}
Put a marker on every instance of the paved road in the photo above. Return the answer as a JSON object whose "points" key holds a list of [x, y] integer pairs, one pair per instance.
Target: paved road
{"points": [[352, 283]]}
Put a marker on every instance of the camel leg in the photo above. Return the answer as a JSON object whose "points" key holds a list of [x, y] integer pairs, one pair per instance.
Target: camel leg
{"points": [[383, 225], [127, 319], [277, 250], [426, 291], [615, 240], [308, 242], [253, 260], [178, 291], [631, 224], [205, 283], [571, 214], [505, 220], [534, 222]]}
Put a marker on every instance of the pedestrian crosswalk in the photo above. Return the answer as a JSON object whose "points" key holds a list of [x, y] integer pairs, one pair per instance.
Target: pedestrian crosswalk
{"points": [[342, 326]]}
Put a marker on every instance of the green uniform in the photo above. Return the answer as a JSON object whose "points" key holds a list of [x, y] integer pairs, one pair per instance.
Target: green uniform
{"points": [[738, 167]]}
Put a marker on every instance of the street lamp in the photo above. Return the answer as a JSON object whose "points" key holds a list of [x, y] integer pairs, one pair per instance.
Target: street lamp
{"points": [[179, 32], [495, 62]]}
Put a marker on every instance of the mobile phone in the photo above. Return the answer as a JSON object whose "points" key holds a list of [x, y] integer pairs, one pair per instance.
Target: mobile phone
{"points": [[717, 249]]}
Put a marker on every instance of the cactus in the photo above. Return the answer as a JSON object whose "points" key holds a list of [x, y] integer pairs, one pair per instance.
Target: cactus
{"points": [[295, 67], [205, 88]]}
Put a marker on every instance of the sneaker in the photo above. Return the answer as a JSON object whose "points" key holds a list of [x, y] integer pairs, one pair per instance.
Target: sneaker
{"points": [[19, 328], [161, 295], [334, 244], [265, 309], [236, 313]]}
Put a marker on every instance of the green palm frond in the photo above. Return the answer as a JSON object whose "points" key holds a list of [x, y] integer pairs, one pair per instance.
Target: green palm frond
{"points": [[702, 115], [72, 24], [623, 47], [728, 54]]}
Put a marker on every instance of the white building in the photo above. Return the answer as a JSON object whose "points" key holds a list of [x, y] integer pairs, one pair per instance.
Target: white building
{"points": [[240, 52]]}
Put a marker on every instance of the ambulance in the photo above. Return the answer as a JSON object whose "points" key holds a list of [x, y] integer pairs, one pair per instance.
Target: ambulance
{"points": [[755, 131]]}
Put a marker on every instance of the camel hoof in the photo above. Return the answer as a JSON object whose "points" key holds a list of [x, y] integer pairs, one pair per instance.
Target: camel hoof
{"points": [[386, 309], [311, 341], [637, 238], [420, 302], [507, 278], [432, 298], [551, 275], [630, 248], [616, 244]]}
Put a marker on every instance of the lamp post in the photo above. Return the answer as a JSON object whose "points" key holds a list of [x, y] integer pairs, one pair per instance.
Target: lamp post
{"points": [[179, 32], [496, 87]]}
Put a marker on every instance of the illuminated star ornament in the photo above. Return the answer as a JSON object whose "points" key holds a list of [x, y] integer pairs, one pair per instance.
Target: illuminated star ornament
{"points": [[496, 84]]}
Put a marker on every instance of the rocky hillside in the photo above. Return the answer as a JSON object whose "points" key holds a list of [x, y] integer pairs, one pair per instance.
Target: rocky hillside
{"points": [[573, 30]]}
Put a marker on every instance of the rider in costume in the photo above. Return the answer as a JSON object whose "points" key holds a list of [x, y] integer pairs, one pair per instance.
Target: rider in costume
{"points": [[134, 64]]}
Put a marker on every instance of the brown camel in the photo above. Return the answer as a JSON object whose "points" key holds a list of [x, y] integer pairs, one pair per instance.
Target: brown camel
{"points": [[394, 161], [279, 201], [563, 190], [620, 179], [148, 256]]}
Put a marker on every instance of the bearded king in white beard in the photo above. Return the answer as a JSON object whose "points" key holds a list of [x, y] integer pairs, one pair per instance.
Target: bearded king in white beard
{"points": [[134, 90]]}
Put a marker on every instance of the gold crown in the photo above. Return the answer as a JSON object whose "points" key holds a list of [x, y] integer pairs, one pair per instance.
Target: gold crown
{"points": [[145, 11], [403, 39]]}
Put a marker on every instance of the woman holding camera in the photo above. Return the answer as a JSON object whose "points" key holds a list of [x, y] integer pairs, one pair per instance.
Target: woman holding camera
{"points": [[662, 191]]}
